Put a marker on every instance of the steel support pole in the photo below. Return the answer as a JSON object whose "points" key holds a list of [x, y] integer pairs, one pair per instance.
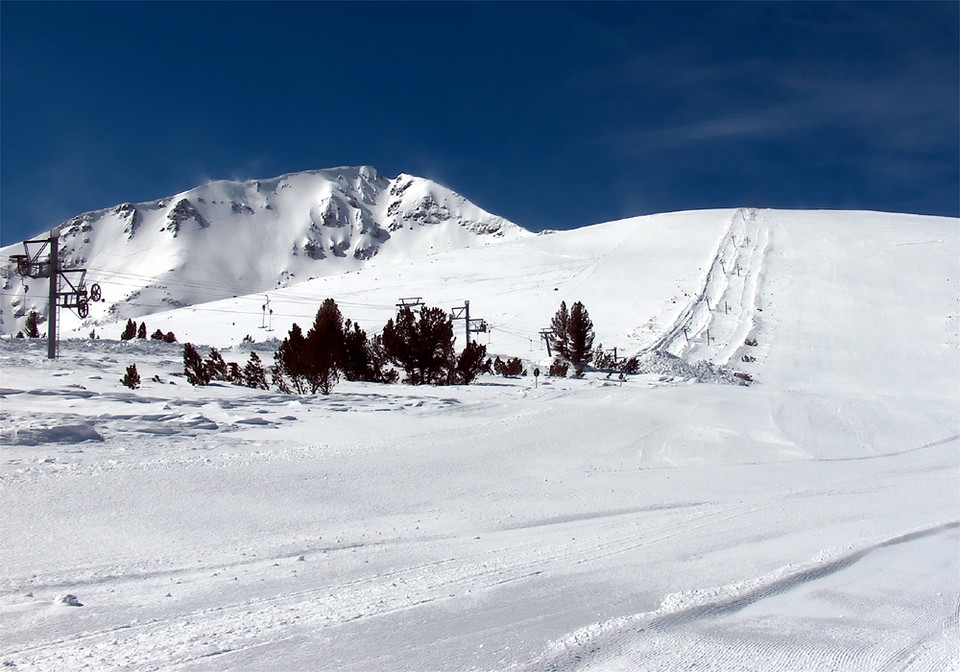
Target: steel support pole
{"points": [[54, 307]]}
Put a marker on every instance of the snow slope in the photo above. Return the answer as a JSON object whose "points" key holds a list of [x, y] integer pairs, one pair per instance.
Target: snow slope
{"points": [[634, 275], [232, 238], [808, 521]]}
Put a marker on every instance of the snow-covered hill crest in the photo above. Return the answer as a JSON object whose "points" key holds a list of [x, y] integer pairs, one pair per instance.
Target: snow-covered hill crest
{"points": [[229, 238]]}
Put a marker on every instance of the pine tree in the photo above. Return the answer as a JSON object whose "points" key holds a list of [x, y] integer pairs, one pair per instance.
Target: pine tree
{"points": [[234, 374], [363, 359], [356, 354], [436, 356], [573, 335], [157, 335], [325, 348], [194, 367], [277, 377], [254, 375], [399, 340], [290, 360], [142, 331], [560, 339], [216, 368], [380, 369], [471, 363], [132, 377], [580, 337], [508, 369], [130, 331]]}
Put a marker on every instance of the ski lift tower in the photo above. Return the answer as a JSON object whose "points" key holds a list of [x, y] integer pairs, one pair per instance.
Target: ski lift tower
{"points": [[31, 264]]}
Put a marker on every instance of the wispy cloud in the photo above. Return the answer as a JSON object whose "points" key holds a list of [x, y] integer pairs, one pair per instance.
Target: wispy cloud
{"points": [[892, 113], [751, 126]]}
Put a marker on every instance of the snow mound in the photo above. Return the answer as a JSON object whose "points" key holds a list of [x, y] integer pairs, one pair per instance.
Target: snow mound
{"points": [[35, 436], [670, 366]]}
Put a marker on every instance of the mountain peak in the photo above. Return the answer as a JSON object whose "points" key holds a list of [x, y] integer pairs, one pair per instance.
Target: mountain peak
{"points": [[226, 238]]}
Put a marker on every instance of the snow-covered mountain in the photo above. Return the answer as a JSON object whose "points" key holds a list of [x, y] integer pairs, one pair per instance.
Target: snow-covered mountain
{"points": [[226, 239]]}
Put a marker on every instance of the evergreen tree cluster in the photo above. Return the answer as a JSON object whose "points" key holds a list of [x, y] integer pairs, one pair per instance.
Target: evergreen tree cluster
{"points": [[200, 371], [132, 331], [165, 337], [609, 362], [572, 342], [421, 345], [311, 363]]}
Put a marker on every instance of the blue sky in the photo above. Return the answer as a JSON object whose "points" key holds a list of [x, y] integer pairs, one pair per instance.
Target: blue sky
{"points": [[554, 115]]}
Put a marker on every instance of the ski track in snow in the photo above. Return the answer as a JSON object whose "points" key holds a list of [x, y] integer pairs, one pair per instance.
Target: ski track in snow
{"points": [[720, 317], [244, 624], [661, 639]]}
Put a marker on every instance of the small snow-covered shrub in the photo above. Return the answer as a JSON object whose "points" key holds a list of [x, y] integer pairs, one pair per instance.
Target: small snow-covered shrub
{"points": [[509, 369], [558, 368], [604, 360], [132, 378]]}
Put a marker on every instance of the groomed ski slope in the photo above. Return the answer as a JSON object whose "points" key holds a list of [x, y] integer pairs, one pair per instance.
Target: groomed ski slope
{"points": [[810, 521]]}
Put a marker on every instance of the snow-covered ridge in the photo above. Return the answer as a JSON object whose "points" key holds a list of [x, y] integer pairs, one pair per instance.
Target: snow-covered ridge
{"points": [[229, 238]]}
